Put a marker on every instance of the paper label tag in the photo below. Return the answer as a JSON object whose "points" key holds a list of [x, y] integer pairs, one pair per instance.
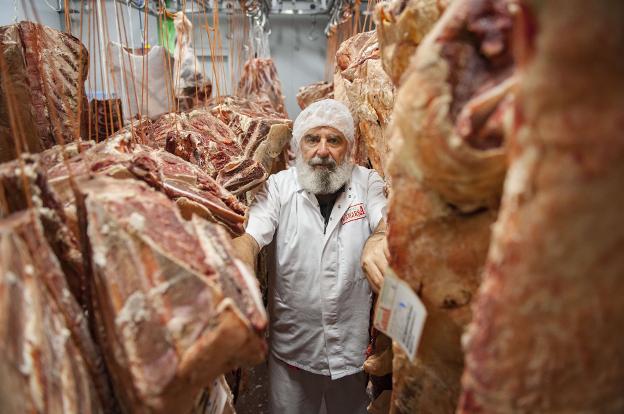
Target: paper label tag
{"points": [[218, 398], [400, 314]]}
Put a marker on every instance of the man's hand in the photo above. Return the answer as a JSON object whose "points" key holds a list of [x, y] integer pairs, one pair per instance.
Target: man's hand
{"points": [[246, 249], [375, 257]]}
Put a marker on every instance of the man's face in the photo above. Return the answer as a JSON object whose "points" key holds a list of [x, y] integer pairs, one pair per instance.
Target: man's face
{"points": [[324, 147], [322, 164]]}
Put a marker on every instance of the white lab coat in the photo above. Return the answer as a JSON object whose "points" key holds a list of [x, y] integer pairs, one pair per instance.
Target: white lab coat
{"points": [[319, 298]]}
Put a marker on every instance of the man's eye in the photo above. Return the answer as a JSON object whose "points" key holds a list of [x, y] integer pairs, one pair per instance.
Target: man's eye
{"points": [[334, 140], [311, 139]]}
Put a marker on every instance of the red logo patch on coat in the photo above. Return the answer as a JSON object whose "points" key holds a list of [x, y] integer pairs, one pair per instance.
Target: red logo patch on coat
{"points": [[354, 212]]}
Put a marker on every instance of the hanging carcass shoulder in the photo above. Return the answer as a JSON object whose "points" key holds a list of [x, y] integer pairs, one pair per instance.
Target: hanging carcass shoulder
{"points": [[43, 73], [204, 140], [546, 335], [194, 191], [24, 185], [371, 96], [106, 118], [49, 362], [453, 102], [175, 310], [259, 83], [448, 164], [346, 55], [262, 135]]}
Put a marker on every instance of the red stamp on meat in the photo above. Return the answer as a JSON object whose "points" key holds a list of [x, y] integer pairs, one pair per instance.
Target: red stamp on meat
{"points": [[354, 212]]}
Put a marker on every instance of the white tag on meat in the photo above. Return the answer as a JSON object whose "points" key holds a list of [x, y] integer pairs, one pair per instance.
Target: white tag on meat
{"points": [[218, 398], [400, 314]]}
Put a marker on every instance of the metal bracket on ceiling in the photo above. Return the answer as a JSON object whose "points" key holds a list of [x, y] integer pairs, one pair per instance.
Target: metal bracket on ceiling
{"points": [[340, 12]]}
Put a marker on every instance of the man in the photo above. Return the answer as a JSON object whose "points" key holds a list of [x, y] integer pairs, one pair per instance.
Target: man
{"points": [[326, 216]]}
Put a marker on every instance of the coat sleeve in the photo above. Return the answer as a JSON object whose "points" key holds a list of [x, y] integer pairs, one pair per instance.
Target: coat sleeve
{"points": [[264, 213], [375, 200]]}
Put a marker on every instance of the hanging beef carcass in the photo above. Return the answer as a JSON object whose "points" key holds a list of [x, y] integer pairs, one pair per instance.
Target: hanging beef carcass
{"points": [[199, 138], [43, 102], [371, 96], [263, 136], [48, 361], [347, 53], [314, 92], [23, 184], [401, 26], [262, 139], [547, 329], [204, 140], [173, 309], [194, 191], [448, 166], [259, 83]]}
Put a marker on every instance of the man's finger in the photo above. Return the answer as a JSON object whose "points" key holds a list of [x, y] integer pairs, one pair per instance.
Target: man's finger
{"points": [[386, 250], [374, 277], [380, 261]]}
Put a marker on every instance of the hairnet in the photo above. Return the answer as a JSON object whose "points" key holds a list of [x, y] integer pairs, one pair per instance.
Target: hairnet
{"points": [[328, 112]]}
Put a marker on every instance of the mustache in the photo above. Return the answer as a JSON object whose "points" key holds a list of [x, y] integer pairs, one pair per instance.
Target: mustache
{"points": [[326, 162]]}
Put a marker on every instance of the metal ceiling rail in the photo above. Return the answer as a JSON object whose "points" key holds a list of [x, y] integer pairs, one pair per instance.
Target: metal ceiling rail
{"points": [[258, 10], [268, 7]]}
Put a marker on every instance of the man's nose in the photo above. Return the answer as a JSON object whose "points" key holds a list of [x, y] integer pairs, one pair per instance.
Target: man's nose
{"points": [[322, 150]]}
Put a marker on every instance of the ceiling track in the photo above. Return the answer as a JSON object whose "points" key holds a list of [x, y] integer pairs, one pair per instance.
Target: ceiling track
{"points": [[259, 11]]}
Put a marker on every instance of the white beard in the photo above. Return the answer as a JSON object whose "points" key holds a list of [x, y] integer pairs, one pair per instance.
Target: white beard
{"points": [[322, 180]]}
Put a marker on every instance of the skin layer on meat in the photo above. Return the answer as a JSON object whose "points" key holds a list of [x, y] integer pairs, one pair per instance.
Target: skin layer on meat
{"points": [[547, 332], [445, 189]]}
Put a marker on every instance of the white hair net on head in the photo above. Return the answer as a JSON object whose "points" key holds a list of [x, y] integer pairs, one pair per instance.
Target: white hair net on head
{"points": [[328, 112]]}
